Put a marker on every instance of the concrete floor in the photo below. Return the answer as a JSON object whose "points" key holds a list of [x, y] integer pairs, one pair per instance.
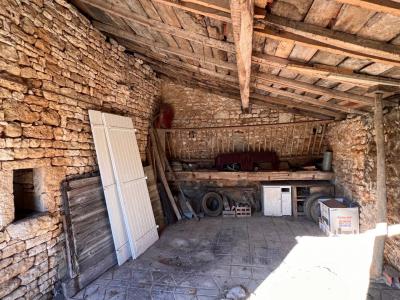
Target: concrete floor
{"points": [[267, 256]]}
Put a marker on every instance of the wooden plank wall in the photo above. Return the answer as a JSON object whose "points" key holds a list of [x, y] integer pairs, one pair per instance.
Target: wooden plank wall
{"points": [[290, 140], [89, 242]]}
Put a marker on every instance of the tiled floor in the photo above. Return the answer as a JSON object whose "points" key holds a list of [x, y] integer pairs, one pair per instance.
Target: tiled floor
{"points": [[203, 259]]}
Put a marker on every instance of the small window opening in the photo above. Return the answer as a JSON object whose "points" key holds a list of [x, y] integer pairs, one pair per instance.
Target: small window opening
{"points": [[26, 188]]}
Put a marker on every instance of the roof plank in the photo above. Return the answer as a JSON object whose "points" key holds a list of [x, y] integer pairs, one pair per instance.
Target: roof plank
{"points": [[329, 40], [383, 6]]}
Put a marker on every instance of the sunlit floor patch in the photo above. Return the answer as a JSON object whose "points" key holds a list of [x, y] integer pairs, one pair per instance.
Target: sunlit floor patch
{"points": [[271, 258]]}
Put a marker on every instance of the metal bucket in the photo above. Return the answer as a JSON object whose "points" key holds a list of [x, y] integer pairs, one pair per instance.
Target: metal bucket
{"points": [[327, 161]]}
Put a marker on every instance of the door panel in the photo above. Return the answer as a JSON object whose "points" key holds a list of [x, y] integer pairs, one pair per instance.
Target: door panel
{"points": [[131, 183], [120, 236]]}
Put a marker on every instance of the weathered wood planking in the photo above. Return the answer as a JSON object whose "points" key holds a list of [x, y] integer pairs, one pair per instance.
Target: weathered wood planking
{"points": [[90, 246], [154, 196], [250, 176]]}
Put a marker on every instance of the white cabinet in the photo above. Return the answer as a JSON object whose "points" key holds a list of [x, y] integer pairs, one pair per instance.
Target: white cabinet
{"points": [[277, 200]]}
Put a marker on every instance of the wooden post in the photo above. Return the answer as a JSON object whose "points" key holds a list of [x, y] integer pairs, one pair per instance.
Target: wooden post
{"points": [[381, 199]]}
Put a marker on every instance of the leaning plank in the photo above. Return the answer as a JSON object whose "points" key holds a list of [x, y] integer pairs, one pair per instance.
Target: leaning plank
{"points": [[163, 178], [161, 153], [242, 14], [332, 41], [383, 6]]}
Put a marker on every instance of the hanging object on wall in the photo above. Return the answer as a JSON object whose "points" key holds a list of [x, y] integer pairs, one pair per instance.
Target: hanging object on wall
{"points": [[132, 200], [165, 117]]}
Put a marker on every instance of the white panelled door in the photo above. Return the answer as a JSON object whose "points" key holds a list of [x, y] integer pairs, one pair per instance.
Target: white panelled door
{"points": [[131, 183], [120, 237]]}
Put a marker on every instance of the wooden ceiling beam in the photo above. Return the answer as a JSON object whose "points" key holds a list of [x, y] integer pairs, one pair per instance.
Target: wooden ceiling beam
{"points": [[325, 39], [159, 47], [262, 86], [260, 76], [198, 9], [242, 13], [293, 100], [179, 64], [307, 87], [382, 6], [323, 71], [122, 12], [289, 103], [256, 98], [320, 70], [223, 64]]}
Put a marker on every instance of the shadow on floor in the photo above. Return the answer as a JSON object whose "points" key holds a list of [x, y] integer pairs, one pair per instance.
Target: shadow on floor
{"points": [[272, 258]]}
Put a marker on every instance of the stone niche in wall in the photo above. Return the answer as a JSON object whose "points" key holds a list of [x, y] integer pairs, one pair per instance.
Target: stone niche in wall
{"points": [[28, 185], [28, 190]]}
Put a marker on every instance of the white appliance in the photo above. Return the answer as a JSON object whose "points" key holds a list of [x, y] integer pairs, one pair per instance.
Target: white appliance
{"points": [[277, 200]]}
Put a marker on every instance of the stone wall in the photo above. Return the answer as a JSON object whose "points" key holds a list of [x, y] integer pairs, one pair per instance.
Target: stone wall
{"points": [[354, 163], [54, 66], [197, 108]]}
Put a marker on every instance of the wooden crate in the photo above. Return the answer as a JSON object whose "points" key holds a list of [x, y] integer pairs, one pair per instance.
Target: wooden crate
{"points": [[243, 211]]}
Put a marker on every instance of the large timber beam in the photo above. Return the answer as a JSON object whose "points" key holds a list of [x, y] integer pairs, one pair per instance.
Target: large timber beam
{"points": [[383, 6], [332, 41], [242, 13]]}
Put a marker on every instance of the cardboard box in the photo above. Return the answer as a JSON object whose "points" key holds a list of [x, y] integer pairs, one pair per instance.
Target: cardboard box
{"points": [[337, 218]]}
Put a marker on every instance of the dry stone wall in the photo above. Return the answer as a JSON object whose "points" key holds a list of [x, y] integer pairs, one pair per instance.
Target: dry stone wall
{"points": [[354, 163], [198, 108], [54, 66]]}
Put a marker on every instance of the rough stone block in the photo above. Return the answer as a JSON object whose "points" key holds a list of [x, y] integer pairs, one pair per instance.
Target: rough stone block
{"points": [[39, 132]]}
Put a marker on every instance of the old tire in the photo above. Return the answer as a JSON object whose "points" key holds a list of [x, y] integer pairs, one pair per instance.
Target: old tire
{"points": [[311, 206], [212, 204]]}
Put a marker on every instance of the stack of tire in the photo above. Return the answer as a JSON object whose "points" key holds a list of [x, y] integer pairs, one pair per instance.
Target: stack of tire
{"points": [[312, 207]]}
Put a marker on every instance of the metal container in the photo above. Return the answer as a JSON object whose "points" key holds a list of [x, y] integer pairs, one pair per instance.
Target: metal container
{"points": [[327, 161]]}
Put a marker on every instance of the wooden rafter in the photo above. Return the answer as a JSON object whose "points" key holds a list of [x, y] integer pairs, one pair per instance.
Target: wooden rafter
{"points": [[199, 9], [383, 6], [160, 47], [319, 70], [119, 11], [323, 71], [257, 97], [223, 64], [325, 39], [259, 84], [307, 87], [242, 13], [294, 98]]}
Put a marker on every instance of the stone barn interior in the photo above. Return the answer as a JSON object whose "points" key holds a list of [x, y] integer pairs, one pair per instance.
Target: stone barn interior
{"points": [[199, 149]]}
